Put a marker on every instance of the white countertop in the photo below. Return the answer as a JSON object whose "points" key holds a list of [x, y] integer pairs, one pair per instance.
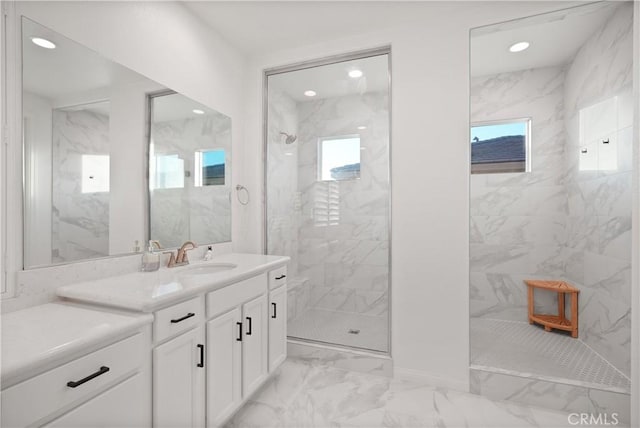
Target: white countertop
{"points": [[150, 291], [40, 337]]}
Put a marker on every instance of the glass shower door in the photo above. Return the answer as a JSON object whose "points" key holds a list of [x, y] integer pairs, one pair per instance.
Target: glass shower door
{"points": [[328, 197]]}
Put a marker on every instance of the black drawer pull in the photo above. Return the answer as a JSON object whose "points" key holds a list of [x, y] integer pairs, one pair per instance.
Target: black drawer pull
{"points": [[280, 277], [189, 315], [249, 329], [275, 307], [76, 383], [239, 338], [201, 364]]}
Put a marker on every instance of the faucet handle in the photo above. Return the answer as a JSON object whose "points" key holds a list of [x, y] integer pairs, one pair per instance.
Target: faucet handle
{"points": [[172, 259]]}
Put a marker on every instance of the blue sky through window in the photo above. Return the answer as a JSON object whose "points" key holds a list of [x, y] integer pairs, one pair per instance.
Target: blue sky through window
{"points": [[487, 132], [213, 157]]}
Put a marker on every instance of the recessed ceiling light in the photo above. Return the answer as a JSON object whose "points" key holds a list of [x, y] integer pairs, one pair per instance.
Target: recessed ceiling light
{"points": [[354, 74], [310, 93], [43, 43], [362, 127], [519, 47], [197, 111]]}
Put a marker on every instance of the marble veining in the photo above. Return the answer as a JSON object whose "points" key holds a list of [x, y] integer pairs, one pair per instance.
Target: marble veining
{"points": [[80, 218], [309, 395]]}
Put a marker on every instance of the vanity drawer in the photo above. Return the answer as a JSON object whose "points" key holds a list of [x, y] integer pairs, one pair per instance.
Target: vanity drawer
{"points": [[32, 400], [229, 297], [176, 319], [277, 277]]}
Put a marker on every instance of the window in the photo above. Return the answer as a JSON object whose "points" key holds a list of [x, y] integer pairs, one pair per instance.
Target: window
{"points": [[501, 146], [209, 168], [339, 158], [95, 173], [169, 172]]}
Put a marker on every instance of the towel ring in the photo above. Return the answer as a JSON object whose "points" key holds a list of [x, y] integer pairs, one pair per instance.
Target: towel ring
{"points": [[239, 188]]}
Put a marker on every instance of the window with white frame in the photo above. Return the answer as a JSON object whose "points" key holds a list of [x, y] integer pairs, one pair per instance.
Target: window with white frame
{"points": [[339, 158], [500, 146]]}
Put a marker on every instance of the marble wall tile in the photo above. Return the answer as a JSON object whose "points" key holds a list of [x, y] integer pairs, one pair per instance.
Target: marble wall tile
{"points": [[598, 83], [201, 214], [80, 219]]}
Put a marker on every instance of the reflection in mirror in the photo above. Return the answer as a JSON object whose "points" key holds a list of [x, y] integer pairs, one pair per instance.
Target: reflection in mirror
{"points": [[566, 218], [82, 115], [189, 174]]}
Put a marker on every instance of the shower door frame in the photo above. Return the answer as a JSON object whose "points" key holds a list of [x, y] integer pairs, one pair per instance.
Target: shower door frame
{"points": [[333, 59]]}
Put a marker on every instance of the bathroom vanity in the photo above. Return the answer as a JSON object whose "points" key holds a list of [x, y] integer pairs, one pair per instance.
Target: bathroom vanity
{"points": [[200, 340]]}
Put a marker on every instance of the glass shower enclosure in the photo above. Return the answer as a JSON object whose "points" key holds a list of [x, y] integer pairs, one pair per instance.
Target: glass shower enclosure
{"points": [[327, 179]]}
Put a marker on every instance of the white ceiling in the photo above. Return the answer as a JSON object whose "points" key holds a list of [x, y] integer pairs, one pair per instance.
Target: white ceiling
{"points": [[259, 26], [178, 107], [554, 39], [332, 80]]}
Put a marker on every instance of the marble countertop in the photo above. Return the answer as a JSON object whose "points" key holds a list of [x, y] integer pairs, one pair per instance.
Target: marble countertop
{"points": [[41, 337], [150, 291]]}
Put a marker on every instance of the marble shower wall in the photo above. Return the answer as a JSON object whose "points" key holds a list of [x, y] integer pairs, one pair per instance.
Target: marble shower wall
{"points": [[201, 214], [346, 262], [283, 199], [80, 221], [598, 106], [518, 220]]}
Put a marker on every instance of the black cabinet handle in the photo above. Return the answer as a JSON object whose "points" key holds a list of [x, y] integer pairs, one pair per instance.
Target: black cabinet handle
{"points": [[201, 364], [281, 277], [239, 338], [76, 383], [275, 307], [189, 315], [249, 329]]}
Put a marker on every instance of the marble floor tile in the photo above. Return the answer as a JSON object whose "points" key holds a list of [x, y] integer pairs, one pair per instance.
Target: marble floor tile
{"points": [[302, 395]]}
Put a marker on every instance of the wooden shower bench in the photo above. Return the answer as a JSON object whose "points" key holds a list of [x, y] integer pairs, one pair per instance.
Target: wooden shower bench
{"points": [[559, 321]]}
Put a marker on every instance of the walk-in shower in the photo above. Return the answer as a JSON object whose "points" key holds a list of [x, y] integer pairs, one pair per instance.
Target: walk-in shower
{"points": [[328, 196], [551, 199]]}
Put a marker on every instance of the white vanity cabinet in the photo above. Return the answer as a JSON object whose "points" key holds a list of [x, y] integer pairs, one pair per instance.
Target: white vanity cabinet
{"points": [[179, 365], [237, 339], [108, 387], [277, 327]]}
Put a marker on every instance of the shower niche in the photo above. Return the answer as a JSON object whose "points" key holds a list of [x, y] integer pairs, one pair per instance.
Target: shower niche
{"points": [[328, 196], [564, 215]]}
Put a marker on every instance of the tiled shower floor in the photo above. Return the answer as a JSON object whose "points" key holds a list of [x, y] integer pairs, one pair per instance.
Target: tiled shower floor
{"points": [[340, 328], [514, 347]]}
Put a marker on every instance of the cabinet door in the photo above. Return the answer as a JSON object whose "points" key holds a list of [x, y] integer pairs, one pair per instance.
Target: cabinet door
{"points": [[277, 327], [224, 366], [178, 381], [124, 405], [254, 344]]}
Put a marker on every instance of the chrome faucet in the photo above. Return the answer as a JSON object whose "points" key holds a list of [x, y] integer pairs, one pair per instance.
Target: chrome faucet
{"points": [[180, 258]]}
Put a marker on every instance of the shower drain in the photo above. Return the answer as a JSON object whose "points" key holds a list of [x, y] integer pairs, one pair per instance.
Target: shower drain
{"points": [[354, 331]]}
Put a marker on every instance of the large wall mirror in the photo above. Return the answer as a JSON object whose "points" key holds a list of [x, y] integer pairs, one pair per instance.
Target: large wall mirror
{"points": [[87, 130], [189, 171]]}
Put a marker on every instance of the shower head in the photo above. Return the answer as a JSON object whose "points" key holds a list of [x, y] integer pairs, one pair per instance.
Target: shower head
{"points": [[289, 138]]}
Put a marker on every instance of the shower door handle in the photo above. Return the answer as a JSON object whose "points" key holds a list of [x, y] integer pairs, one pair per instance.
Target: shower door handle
{"points": [[275, 307]]}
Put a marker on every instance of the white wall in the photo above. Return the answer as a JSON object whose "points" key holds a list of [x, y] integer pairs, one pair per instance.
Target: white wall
{"points": [[430, 176], [635, 287]]}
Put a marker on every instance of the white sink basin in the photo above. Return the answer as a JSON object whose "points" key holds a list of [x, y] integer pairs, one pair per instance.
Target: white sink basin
{"points": [[210, 268]]}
